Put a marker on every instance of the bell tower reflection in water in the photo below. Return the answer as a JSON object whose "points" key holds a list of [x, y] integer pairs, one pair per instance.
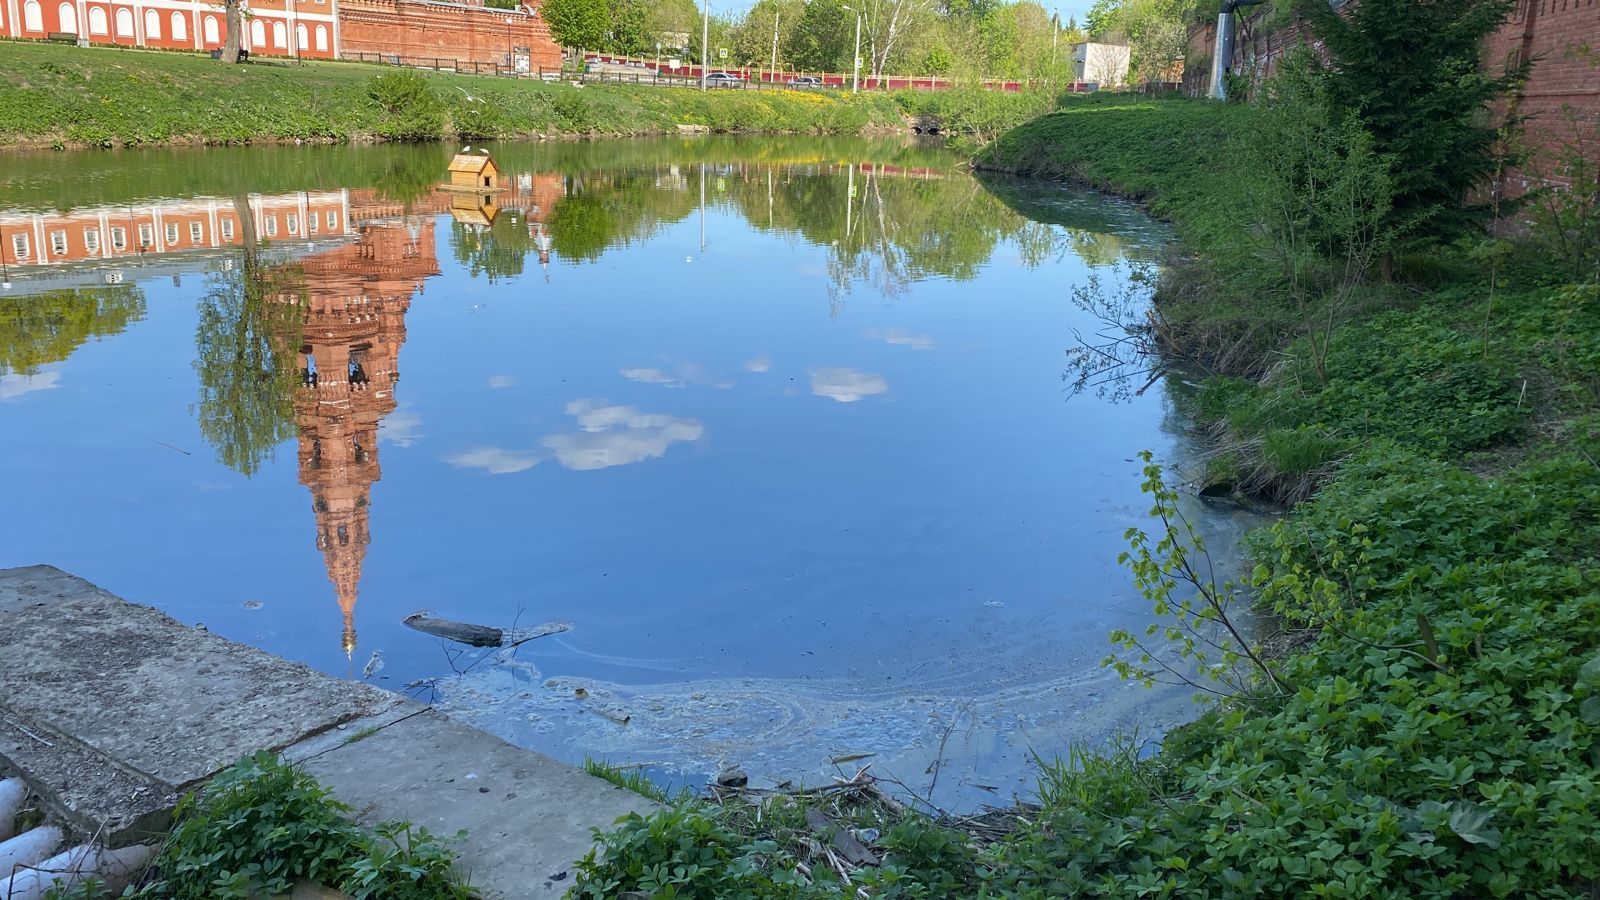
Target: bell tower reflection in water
{"points": [[356, 298]]}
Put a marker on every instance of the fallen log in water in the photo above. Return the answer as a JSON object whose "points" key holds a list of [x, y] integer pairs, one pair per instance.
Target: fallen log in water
{"points": [[480, 635], [475, 635]]}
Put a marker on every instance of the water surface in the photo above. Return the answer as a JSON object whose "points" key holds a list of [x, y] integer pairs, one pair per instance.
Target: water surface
{"points": [[775, 427]]}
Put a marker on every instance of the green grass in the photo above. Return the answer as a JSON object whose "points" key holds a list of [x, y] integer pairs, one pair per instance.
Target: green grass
{"points": [[108, 97], [627, 779], [53, 95]]}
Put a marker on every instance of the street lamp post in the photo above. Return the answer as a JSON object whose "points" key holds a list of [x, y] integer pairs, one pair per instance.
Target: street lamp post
{"points": [[705, 44], [855, 76]]}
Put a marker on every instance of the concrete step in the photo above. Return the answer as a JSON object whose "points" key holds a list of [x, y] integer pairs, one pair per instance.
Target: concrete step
{"points": [[113, 710]]}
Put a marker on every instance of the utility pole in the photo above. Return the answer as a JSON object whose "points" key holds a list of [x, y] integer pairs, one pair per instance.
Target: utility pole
{"points": [[705, 44], [855, 77], [776, 16]]}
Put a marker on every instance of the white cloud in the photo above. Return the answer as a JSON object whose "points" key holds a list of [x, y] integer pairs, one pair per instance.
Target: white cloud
{"points": [[758, 364], [615, 435], [682, 375], [902, 338], [611, 435], [403, 427], [846, 385], [13, 386], [501, 381], [653, 376], [494, 460]]}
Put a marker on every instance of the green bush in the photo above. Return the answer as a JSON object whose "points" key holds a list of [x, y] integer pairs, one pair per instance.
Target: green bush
{"points": [[409, 110], [261, 825]]}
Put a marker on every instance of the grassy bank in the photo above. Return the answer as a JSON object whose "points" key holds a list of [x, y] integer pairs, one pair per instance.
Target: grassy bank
{"points": [[51, 95], [1424, 722]]}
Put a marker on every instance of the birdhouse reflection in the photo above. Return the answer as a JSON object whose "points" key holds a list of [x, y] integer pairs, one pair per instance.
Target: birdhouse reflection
{"points": [[473, 210]]}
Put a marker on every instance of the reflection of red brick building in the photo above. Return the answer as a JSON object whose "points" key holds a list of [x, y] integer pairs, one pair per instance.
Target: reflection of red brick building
{"points": [[166, 226], [356, 299], [314, 29]]}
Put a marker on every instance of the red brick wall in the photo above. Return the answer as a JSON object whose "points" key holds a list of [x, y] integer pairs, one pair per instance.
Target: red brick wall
{"points": [[1563, 88], [416, 28], [1562, 97]]}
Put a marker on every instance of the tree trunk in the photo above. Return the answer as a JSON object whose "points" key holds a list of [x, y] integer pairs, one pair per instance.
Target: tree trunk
{"points": [[230, 46]]}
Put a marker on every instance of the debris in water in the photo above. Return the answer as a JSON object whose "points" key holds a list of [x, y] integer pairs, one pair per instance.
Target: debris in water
{"points": [[732, 777], [251, 604], [480, 635]]}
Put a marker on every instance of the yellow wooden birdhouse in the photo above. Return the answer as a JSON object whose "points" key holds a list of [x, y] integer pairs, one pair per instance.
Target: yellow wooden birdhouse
{"points": [[473, 170]]}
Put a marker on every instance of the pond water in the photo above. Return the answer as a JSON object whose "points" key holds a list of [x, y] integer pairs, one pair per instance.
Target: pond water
{"points": [[774, 428]]}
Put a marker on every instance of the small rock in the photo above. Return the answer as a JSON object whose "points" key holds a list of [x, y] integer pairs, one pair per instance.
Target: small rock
{"points": [[483, 790], [559, 876], [732, 777], [866, 835]]}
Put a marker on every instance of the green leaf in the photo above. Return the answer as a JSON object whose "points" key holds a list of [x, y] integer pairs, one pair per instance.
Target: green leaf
{"points": [[1470, 822]]}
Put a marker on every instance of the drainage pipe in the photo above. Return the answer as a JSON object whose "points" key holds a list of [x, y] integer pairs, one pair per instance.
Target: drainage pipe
{"points": [[28, 848], [12, 791], [1222, 59], [114, 869]]}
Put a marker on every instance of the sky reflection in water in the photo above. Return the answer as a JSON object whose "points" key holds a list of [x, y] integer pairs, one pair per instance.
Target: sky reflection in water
{"points": [[776, 425]]}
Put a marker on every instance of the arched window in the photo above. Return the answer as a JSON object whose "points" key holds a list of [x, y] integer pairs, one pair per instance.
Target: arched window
{"points": [[210, 27], [33, 16], [300, 41], [279, 35], [97, 21], [322, 37], [67, 18], [258, 33], [152, 25], [124, 23], [180, 28]]}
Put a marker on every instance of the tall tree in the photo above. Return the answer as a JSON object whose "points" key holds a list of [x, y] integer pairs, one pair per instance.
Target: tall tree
{"points": [[233, 18], [1411, 71], [824, 36], [578, 23], [752, 37]]}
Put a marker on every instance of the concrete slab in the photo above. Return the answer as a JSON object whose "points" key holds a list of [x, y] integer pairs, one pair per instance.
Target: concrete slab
{"points": [[527, 817], [172, 702], [112, 710]]}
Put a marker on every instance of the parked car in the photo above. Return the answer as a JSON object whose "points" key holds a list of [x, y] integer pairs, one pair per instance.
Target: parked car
{"points": [[723, 79], [806, 81]]}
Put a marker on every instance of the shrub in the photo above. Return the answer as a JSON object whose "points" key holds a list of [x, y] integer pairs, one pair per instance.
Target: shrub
{"points": [[409, 109], [261, 825]]}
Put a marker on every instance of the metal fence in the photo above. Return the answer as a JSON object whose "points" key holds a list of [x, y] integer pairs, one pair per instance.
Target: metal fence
{"points": [[624, 70]]}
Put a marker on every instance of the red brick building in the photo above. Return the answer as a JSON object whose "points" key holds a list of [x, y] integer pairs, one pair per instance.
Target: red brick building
{"points": [[399, 30]]}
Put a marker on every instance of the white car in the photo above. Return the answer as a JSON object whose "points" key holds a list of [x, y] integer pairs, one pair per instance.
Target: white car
{"points": [[723, 79]]}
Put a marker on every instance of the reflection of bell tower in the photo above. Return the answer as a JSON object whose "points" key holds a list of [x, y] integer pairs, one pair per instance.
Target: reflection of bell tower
{"points": [[356, 300]]}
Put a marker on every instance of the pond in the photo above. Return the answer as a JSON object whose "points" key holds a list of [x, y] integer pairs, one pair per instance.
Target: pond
{"points": [[771, 433]]}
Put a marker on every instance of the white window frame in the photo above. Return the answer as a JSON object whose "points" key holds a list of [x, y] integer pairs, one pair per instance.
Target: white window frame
{"points": [[58, 242], [119, 238], [91, 240]]}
